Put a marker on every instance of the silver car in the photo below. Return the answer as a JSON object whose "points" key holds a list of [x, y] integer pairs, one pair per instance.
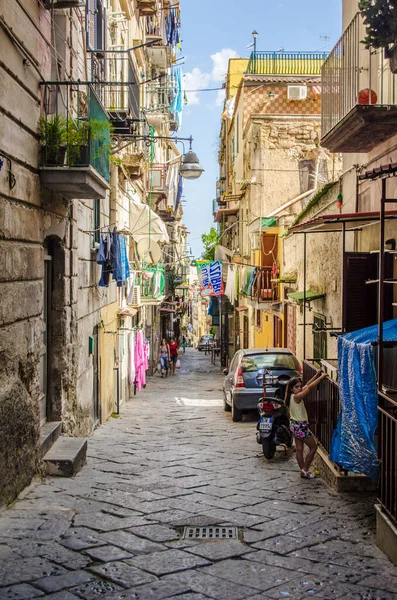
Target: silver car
{"points": [[243, 384], [206, 341]]}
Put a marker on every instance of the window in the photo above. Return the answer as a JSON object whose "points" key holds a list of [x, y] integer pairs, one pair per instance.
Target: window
{"points": [[306, 175], [258, 318], [95, 24], [233, 149], [238, 133], [319, 337], [97, 221], [270, 360]]}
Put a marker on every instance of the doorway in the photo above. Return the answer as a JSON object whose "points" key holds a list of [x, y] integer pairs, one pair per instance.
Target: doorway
{"points": [[277, 332], [246, 334], [95, 398], [45, 349]]}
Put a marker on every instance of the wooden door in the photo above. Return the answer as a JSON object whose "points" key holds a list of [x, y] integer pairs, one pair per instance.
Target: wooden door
{"points": [[246, 333], [277, 332], [291, 327]]}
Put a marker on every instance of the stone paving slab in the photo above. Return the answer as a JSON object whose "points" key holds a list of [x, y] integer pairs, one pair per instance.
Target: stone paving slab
{"points": [[114, 530], [122, 573]]}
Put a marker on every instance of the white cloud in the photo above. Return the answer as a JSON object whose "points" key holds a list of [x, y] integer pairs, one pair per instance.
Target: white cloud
{"points": [[220, 63], [196, 79], [193, 81], [220, 98]]}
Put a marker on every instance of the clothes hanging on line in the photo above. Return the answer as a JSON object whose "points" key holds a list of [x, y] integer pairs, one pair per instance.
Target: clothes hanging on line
{"points": [[140, 371], [131, 358], [112, 256], [231, 283]]}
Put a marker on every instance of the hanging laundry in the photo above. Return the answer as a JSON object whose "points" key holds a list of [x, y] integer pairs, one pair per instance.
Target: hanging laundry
{"points": [[139, 357], [130, 297], [176, 106], [231, 283], [103, 258], [131, 358]]}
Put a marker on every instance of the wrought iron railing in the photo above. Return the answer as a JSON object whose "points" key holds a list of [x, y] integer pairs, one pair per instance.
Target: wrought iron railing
{"points": [[74, 130], [286, 63], [387, 452], [152, 282], [353, 75], [159, 96], [115, 82], [322, 405], [263, 290]]}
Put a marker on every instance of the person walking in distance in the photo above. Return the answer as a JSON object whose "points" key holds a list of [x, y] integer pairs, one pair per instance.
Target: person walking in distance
{"points": [[164, 357], [294, 395], [184, 344], [174, 354]]}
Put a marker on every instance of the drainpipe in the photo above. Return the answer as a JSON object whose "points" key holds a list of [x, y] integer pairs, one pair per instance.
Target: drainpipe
{"points": [[304, 295]]}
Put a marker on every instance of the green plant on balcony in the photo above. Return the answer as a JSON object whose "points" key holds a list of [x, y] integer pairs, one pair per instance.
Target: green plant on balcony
{"points": [[82, 134], [53, 140], [380, 18]]}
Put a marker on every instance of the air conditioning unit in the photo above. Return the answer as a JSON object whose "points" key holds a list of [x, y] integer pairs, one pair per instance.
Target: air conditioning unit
{"points": [[297, 92], [136, 299]]}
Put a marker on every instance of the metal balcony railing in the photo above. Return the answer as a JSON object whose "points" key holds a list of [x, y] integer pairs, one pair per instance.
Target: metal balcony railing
{"points": [[286, 63], [74, 130], [159, 97], [115, 82], [152, 282], [354, 76]]}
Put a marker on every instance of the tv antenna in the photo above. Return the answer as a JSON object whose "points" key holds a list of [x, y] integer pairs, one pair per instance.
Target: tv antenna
{"points": [[326, 38]]}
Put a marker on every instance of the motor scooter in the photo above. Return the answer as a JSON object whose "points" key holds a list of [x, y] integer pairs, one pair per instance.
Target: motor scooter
{"points": [[273, 425]]}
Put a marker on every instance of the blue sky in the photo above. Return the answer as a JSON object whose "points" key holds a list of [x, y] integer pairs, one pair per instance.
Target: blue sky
{"points": [[221, 28]]}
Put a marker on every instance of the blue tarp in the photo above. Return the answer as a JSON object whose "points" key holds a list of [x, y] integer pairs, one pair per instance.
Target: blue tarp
{"points": [[353, 442]]}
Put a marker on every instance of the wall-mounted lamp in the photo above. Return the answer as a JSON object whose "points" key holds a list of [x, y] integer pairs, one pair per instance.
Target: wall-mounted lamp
{"points": [[272, 96]]}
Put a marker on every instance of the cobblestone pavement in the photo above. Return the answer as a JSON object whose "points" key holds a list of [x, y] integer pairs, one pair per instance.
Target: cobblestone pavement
{"points": [[175, 458]]}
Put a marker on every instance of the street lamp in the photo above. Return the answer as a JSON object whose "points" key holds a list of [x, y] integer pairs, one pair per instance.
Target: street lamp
{"points": [[190, 167], [254, 35]]}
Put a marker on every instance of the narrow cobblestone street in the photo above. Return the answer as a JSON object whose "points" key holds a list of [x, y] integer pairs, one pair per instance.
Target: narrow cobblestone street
{"points": [[174, 458]]}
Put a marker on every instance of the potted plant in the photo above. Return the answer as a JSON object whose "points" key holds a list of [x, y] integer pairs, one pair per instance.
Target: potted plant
{"points": [[53, 140], [380, 18], [78, 133]]}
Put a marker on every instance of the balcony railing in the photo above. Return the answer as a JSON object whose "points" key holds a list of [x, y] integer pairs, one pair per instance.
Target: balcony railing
{"points": [[74, 142], [322, 406], [286, 63], [115, 83], [387, 450], [159, 97], [152, 282], [263, 290], [359, 93]]}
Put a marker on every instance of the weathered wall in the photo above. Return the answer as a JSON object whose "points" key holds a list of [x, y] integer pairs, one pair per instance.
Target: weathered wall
{"points": [[324, 274]]}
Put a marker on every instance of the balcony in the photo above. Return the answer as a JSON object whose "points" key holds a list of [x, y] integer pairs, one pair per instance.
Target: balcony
{"points": [[231, 208], [359, 95], [286, 63], [117, 87], [152, 284], [75, 143], [159, 97], [147, 7]]}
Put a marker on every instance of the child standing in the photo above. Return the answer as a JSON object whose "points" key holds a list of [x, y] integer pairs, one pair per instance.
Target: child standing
{"points": [[294, 394]]}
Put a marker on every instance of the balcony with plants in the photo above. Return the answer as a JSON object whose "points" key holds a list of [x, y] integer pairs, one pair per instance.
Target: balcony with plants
{"points": [[74, 144], [359, 92]]}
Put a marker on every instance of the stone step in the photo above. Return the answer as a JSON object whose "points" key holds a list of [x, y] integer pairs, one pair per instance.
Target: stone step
{"points": [[66, 457], [49, 433]]}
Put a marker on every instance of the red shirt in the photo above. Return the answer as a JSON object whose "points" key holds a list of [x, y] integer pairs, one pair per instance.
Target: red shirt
{"points": [[173, 348]]}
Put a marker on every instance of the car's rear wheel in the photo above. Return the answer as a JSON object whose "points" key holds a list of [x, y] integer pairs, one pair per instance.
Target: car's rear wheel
{"points": [[237, 414], [226, 406]]}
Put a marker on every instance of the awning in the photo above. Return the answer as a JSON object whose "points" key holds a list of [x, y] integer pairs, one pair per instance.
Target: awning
{"points": [[226, 211], [336, 222], [145, 223], [241, 308], [299, 296]]}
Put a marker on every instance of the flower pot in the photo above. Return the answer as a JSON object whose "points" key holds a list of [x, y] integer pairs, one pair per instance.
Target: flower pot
{"points": [[52, 157]]}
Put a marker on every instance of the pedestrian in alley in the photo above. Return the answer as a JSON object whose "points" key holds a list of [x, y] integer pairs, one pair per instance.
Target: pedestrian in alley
{"points": [[165, 357], [174, 354], [294, 395], [184, 343]]}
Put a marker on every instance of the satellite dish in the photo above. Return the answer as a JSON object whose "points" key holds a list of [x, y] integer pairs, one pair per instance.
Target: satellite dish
{"points": [[149, 251]]}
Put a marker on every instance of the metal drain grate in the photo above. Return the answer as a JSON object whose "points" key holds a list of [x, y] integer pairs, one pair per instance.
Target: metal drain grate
{"points": [[210, 533]]}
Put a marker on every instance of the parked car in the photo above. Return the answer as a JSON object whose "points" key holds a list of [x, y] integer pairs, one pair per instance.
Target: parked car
{"points": [[243, 384], [205, 341]]}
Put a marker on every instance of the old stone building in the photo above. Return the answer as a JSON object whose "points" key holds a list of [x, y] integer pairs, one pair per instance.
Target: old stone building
{"points": [[75, 120], [271, 165]]}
